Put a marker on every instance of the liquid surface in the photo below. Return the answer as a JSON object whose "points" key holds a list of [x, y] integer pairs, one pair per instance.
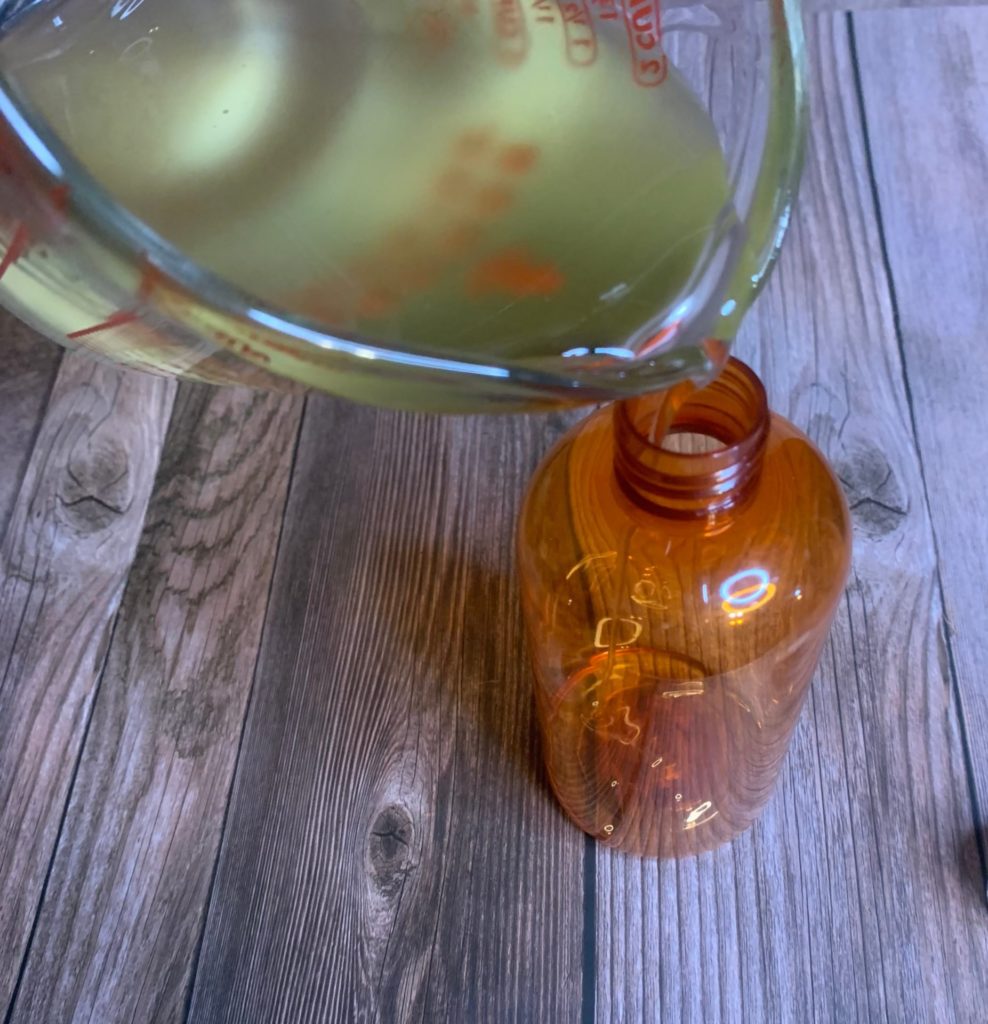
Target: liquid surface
{"points": [[516, 178]]}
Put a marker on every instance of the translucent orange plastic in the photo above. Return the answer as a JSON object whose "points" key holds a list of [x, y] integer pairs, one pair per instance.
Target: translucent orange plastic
{"points": [[676, 606]]}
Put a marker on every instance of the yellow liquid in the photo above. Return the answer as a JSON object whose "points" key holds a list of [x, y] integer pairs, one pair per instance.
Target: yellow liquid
{"points": [[507, 177]]}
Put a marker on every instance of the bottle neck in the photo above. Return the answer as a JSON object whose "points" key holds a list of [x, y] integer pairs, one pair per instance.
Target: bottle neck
{"points": [[731, 411]]}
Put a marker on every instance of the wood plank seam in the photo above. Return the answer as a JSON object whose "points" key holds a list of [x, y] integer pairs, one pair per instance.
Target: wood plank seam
{"points": [[588, 1005], [979, 819], [197, 949], [63, 567], [871, 818], [22, 966], [28, 368], [132, 871], [854, 838]]}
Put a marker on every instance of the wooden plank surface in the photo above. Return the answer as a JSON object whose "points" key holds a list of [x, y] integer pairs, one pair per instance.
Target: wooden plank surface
{"points": [[855, 897], [812, 7], [929, 146], [63, 565], [357, 827], [27, 371], [124, 906], [392, 852]]}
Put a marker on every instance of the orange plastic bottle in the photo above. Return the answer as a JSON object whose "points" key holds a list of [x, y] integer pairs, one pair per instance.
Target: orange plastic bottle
{"points": [[677, 604]]}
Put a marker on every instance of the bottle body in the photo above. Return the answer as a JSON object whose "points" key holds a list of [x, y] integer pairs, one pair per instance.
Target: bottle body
{"points": [[673, 647]]}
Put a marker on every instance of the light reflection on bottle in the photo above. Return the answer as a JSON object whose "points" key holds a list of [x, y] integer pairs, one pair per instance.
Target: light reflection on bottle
{"points": [[589, 560], [700, 815], [620, 634], [746, 591], [693, 688]]}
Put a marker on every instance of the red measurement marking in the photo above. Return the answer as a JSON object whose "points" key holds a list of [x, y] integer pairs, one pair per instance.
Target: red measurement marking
{"points": [[494, 200], [473, 144], [514, 272], [545, 11], [22, 237], [254, 353], [659, 339], [327, 309], [116, 320], [272, 342], [581, 40], [225, 339], [15, 250], [376, 302], [328, 300], [643, 20], [459, 238], [715, 350], [236, 343], [452, 183], [606, 10], [510, 32], [151, 276], [437, 30], [149, 279], [416, 279], [518, 159], [391, 263], [382, 262], [362, 270], [59, 196]]}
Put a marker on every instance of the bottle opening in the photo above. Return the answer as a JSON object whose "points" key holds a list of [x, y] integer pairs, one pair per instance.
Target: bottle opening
{"points": [[689, 451], [689, 442]]}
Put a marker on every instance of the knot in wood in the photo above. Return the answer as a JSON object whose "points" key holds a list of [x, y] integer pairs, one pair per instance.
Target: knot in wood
{"points": [[97, 486], [390, 844], [873, 492]]}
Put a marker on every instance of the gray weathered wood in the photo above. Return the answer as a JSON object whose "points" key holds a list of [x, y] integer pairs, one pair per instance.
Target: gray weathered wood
{"points": [[392, 852], [122, 916], [857, 895], [63, 564], [811, 7], [27, 370], [929, 142]]}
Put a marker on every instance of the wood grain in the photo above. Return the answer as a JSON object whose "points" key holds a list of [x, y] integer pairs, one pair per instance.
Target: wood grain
{"points": [[27, 370], [123, 912], [392, 852], [932, 185], [63, 564], [856, 896], [811, 7]]}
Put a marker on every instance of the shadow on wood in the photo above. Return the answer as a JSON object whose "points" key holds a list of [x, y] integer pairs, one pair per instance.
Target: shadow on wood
{"points": [[488, 639], [390, 852]]}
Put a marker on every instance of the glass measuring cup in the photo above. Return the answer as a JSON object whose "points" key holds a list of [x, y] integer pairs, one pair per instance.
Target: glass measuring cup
{"points": [[444, 204]]}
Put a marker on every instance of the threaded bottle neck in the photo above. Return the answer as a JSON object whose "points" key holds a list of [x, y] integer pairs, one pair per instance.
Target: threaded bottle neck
{"points": [[732, 411]]}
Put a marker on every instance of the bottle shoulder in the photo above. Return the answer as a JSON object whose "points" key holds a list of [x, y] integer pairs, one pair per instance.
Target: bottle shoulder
{"points": [[790, 535], [794, 481]]}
